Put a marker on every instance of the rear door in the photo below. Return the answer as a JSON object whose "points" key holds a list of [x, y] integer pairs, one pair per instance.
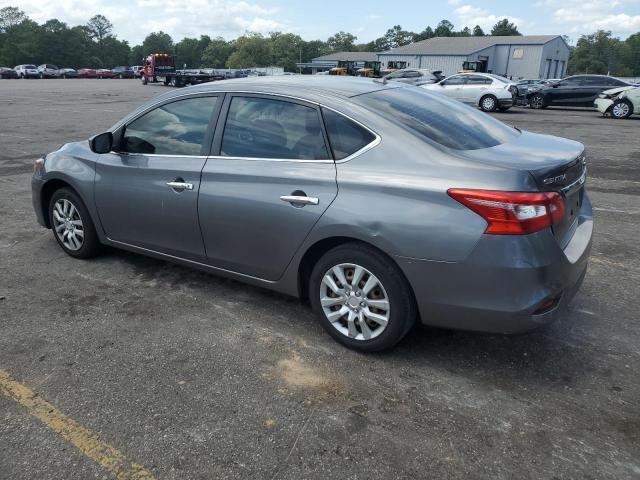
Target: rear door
{"points": [[475, 87], [270, 180], [146, 190], [591, 87]]}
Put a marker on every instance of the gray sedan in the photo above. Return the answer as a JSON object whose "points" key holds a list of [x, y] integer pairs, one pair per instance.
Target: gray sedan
{"points": [[381, 203]]}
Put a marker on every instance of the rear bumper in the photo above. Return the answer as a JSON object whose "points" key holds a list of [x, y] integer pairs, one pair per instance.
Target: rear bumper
{"points": [[504, 282], [505, 102]]}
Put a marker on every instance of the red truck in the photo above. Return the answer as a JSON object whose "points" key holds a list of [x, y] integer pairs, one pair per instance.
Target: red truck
{"points": [[161, 67]]}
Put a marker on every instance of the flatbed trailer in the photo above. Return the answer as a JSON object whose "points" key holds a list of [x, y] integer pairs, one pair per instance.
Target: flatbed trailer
{"points": [[160, 68]]}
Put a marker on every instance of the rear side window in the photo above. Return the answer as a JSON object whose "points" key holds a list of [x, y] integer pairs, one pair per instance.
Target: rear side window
{"points": [[267, 128], [437, 118], [454, 81], [177, 128], [345, 136]]}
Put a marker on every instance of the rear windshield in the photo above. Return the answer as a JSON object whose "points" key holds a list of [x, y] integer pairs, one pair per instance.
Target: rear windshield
{"points": [[438, 118]]}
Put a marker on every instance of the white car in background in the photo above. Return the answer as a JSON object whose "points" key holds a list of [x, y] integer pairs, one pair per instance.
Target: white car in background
{"points": [[46, 70], [619, 102], [27, 71], [487, 91]]}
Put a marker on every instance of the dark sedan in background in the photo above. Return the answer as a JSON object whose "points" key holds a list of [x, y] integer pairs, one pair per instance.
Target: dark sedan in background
{"points": [[574, 91], [6, 72], [381, 203], [123, 72]]}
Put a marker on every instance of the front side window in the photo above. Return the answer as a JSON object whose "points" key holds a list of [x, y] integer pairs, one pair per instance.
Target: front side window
{"points": [[571, 82], [177, 128], [268, 128], [437, 118], [345, 136]]}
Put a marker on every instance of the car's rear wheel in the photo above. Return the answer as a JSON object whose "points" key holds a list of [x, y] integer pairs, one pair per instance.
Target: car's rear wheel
{"points": [[621, 109], [361, 297], [488, 103], [537, 101], [72, 225]]}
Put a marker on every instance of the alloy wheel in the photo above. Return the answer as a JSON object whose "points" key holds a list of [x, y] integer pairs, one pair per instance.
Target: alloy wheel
{"points": [[620, 110], [67, 224], [355, 302], [488, 104], [536, 101]]}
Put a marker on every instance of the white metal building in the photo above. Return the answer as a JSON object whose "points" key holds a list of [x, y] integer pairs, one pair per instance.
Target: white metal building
{"points": [[327, 62], [528, 56]]}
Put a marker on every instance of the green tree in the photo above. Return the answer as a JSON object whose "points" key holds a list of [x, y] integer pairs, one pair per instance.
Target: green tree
{"points": [[597, 52], [477, 31], [504, 28], [136, 55], [189, 51], [99, 27], [11, 17], [286, 50], [342, 42], [157, 42], [397, 37], [250, 50], [21, 44], [425, 34], [465, 32], [444, 29], [216, 54]]}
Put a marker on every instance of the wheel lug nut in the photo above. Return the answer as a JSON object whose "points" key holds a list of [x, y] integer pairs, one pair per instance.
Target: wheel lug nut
{"points": [[362, 304], [357, 294]]}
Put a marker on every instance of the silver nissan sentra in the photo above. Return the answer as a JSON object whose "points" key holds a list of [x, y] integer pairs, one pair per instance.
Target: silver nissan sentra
{"points": [[383, 204]]}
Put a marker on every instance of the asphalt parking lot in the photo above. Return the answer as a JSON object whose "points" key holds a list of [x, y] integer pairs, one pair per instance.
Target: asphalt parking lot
{"points": [[192, 376]]}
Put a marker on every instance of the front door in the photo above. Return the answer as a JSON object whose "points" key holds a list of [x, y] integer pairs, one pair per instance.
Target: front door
{"points": [[271, 181], [146, 190], [567, 92]]}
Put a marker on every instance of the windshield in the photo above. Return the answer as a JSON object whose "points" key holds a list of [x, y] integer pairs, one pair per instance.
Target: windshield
{"points": [[33, 67], [437, 118]]}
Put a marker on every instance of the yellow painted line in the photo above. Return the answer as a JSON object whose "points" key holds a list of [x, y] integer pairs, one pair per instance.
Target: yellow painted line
{"points": [[80, 437]]}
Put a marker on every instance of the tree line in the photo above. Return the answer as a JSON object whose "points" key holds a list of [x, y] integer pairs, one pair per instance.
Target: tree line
{"points": [[94, 45]]}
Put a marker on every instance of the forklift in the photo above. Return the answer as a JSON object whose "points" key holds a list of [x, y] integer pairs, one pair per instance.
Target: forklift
{"points": [[370, 69], [474, 66], [344, 68]]}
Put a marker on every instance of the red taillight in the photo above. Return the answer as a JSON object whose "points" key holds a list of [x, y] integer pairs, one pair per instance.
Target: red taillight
{"points": [[512, 213]]}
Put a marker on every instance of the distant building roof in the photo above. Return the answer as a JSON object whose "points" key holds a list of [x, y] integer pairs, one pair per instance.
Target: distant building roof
{"points": [[466, 45], [348, 57]]}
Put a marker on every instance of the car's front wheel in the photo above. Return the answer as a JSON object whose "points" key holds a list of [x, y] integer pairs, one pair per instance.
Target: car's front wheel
{"points": [[361, 297], [72, 225], [621, 109], [488, 103], [537, 101]]}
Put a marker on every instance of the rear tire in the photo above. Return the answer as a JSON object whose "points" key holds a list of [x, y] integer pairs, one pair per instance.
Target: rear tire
{"points": [[621, 109], [537, 101], [377, 304], [488, 103], [71, 224]]}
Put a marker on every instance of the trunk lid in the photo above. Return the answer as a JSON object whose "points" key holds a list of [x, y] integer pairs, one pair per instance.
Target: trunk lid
{"points": [[556, 165]]}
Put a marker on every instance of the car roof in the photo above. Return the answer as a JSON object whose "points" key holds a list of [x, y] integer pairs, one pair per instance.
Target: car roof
{"points": [[307, 87]]}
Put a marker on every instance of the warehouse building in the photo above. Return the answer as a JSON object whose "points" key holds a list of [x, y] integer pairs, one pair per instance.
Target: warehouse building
{"points": [[528, 56], [327, 62]]}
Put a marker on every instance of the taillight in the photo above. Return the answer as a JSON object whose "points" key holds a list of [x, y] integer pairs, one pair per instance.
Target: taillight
{"points": [[512, 213]]}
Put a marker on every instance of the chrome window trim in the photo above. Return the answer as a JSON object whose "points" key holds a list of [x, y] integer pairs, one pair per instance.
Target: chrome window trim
{"points": [[374, 143], [133, 154]]}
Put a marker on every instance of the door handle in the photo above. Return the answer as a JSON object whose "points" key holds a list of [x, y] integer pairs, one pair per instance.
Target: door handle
{"points": [[299, 200], [180, 185]]}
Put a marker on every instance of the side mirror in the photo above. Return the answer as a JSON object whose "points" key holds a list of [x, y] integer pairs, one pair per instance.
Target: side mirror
{"points": [[101, 143]]}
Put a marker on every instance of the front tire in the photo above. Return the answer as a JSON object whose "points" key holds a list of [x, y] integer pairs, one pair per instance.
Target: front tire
{"points": [[537, 101], [621, 109], [72, 225], [488, 103], [361, 298]]}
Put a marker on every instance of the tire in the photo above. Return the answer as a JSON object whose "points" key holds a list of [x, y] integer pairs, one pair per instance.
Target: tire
{"points": [[144, 80], [488, 103], [389, 285], [67, 234], [621, 109], [537, 101]]}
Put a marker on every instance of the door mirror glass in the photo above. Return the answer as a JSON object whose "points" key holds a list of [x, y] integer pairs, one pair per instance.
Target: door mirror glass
{"points": [[101, 143]]}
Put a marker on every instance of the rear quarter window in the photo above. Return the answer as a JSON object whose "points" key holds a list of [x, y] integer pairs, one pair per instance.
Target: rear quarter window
{"points": [[345, 136], [438, 119]]}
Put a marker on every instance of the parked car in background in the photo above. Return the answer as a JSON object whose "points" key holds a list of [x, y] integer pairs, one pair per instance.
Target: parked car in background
{"points": [[526, 85], [104, 73], [489, 92], [412, 76], [123, 72], [87, 73], [473, 225], [574, 91], [27, 71], [47, 70], [68, 73], [137, 70], [621, 102], [6, 72]]}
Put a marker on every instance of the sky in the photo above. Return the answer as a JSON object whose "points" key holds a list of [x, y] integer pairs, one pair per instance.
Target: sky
{"points": [[134, 19]]}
